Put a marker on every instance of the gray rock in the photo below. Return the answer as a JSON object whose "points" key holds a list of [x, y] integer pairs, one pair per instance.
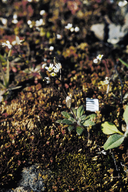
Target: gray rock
{"points": [[31, 177]]}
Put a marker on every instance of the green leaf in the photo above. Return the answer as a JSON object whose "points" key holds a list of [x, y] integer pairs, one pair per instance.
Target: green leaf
{"points": [[59, 121], [2, 86], [79, 130], [3, 75], [66, 121], [109, 128], [72, 119], [74, 111], [123, 62], [113, 141], [70, 128], [89, 120], [13, 88], [88, 123], [2, 59], [80, 111], [83, 117], [66, 114], [125, 115], [7, 72]]}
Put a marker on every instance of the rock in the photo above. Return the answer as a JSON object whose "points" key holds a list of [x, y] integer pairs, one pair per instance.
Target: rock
{"points": [[32, 178], [98, 30], [115, 32]]}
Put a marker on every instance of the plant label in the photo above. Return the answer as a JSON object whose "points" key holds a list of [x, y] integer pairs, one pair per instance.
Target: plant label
{"points": [[92, 104]]}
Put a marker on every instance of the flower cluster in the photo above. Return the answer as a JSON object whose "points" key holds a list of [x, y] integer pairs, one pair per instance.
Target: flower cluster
{"points": [[98, 59], [71, 28], [53, 69], [16, 42]]}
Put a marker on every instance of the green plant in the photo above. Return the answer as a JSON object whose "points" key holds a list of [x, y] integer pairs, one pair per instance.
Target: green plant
{"points": [[116, 137], [77, 119], [5, 78], [123, 62]]}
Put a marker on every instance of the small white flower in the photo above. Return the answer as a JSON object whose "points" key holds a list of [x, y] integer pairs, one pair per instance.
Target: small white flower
{"points": [[51, 48], [59, 36], [42, 12], [3, 44], [95, 61], [47, 80], [50, 68], [99, 57], [17, 41], [77, 29], [39, 22], [72, 29], [4, 21], [106, 81], [122, 3], [58, 65], [29, 22], [53, 74], [68, 26], [4, 1], [15, 16], [15, 21], [56, 70], [8, 44]]}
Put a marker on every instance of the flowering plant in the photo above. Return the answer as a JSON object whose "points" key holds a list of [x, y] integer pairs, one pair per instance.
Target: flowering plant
{"points": [[53, 69], [98, 59]]}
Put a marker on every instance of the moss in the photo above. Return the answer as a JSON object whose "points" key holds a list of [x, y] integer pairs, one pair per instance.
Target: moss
{"points": [[81, 172], [76, 172]]}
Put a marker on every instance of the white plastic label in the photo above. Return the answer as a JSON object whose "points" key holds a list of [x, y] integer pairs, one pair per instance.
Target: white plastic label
{"points": [[92, 104]]}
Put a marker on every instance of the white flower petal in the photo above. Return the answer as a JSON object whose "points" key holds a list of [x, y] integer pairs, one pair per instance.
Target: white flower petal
{"points": [[44, 65], [77, 29], [51, 48], [95, 61], [56, 70], [42, 12]]}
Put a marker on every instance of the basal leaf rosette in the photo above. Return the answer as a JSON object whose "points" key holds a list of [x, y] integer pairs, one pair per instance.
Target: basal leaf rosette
{"points": [[77, 119]]}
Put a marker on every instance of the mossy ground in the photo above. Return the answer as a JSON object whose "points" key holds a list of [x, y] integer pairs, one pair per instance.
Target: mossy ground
{"points": [[28, 129]]}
